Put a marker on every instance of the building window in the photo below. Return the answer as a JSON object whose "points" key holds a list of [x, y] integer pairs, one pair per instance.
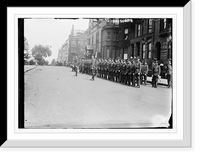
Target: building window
{"points": [[104, 52], [97, 37], [108, 52], [150, 25], [139, 30], [126, 34], [114, 36], [164, 23], [113, 52], [144, 26], [143, 51], [149, 50], [126, 31], [108, 35], [97, 47]]}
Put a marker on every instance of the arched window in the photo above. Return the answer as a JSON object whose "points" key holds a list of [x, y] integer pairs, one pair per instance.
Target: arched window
{"points": [[143, 51], [149, 50], [139, 30]]}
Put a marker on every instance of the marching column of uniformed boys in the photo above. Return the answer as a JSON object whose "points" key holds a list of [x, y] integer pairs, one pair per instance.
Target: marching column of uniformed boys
{"points": [[130, 71]]}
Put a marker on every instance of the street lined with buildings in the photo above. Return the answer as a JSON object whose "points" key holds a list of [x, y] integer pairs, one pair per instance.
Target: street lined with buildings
{"points": [[114, 38], [118, 67], [56, 98]]}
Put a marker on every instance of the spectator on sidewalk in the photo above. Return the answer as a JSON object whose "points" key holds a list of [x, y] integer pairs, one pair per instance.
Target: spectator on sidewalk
{"points": [[156, 73], [169, 74], [162, 69]]}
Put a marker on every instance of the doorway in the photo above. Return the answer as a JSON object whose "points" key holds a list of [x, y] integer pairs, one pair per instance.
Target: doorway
{"points": [[158, 47], [169, 54], [138, 49], [132, 52]]}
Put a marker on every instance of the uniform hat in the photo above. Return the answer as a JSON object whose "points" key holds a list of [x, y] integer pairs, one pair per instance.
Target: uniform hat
{"points": [[155, 59]]}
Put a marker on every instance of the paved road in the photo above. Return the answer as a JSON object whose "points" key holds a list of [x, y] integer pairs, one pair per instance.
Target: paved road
{"points": [[55, 98], [29, 67]]}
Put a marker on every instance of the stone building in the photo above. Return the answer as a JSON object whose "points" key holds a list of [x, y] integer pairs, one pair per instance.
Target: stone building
{"points": [[63, 53], [77, 44], [109, 40], [94, 37]]}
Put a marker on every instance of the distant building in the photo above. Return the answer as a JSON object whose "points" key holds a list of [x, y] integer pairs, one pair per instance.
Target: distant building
{"points": [[77, 44], [63, 53]]}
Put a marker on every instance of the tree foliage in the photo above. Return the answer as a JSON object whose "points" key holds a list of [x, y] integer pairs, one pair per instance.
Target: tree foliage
{"points": [[53, 62], [26, 50], [39, 52]]}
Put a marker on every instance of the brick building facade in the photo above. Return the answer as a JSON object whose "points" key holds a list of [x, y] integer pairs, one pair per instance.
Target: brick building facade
{"points": [[145, 38]]}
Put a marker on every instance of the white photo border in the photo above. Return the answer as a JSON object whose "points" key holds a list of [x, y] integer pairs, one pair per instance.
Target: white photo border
{"points": [[180, 136]]}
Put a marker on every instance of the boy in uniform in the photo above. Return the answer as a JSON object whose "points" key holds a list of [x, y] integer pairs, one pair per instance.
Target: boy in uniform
{"points": [[129, 73], [93, 67], [137, 71], [156, 73], [144, 72], [133, 72]]}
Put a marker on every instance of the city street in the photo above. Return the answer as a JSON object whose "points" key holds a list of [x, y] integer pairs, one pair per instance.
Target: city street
{"points": [[56, 98]]}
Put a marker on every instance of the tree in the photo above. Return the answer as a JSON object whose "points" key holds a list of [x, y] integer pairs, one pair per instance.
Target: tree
{"points": [[26, 50], [31, 62], [46, 62], [53, 62], [39, 52]]}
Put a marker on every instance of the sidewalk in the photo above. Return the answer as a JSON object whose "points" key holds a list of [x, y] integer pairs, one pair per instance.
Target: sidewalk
{"points": [[29, 67], [160, 81]]}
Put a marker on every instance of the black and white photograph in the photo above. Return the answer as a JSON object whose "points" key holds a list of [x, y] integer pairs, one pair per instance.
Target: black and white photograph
{"points": [[99, 77], [96, 73]]}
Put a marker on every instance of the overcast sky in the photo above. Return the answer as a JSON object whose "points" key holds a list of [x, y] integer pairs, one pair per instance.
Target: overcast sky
{"points": [[51, 32]]}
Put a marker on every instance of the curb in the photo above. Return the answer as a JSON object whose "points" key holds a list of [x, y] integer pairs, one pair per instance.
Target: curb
{"points": [[164, 84], [30, 69]]}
